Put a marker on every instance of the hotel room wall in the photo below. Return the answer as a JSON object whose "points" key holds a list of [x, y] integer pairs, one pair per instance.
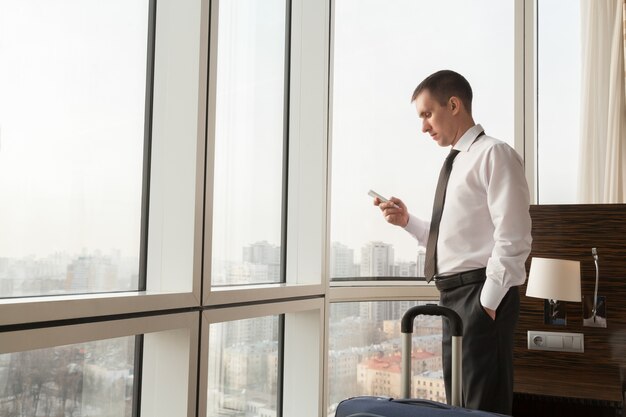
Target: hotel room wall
{"points": [[597, 375]]}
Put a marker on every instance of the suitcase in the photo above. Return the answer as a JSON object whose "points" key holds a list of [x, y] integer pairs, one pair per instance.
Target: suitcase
{"points": [[368, 406]]}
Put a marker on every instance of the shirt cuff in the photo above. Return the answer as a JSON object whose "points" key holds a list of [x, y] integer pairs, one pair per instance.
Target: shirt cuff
{"points": [[492, 294], [418, 229]]}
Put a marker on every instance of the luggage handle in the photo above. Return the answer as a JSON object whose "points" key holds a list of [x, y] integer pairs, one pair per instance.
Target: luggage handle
{"points": [[456, 330], [456, 325]]}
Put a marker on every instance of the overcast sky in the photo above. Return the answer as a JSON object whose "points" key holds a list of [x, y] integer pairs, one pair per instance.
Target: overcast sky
{"points": [[71, 120], [71, 136]]}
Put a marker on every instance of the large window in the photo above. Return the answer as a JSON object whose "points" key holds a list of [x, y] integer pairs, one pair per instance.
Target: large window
{"points": [[72, 115], [249, 141], [381, 51], [558, 100]]}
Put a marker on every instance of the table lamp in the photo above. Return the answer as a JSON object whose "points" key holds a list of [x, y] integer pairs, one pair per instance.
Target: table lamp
{"points": [[554, 280]]}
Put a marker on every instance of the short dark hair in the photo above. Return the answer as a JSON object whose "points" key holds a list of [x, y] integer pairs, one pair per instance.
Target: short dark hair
{"points": [[445, 84]]}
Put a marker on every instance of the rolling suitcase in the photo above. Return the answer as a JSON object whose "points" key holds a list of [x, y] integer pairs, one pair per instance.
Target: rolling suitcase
{"points": [[368, 406]]}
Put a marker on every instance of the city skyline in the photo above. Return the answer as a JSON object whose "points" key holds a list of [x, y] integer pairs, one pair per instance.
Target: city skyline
{"points": [[66, 273]]}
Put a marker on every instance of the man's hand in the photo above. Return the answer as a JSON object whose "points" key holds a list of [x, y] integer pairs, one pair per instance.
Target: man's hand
{"points": [[394, 211], [490, 312]]}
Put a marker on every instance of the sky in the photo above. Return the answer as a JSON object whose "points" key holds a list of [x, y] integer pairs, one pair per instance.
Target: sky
{"points": [[249, 126], [71, 137], [559, 92]]}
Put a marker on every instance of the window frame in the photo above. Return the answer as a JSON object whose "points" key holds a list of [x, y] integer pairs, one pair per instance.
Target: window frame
{"points": [[305, 161]]}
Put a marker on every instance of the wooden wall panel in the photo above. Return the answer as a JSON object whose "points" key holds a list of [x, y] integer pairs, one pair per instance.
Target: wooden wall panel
{"points": [[569, 232]]}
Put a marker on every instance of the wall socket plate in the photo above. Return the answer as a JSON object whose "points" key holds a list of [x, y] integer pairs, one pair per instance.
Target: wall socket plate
{"points": [[556, 341]]}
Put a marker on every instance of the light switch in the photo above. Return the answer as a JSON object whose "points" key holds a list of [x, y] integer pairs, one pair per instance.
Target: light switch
{"points": [[568, 342], [556, 341]]}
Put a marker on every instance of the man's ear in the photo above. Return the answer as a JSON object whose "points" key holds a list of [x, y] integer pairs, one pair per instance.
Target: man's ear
{"points": [[454, 103]]}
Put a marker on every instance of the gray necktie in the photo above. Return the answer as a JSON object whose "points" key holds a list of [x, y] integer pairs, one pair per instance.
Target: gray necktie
{"points": [[430, 267]]}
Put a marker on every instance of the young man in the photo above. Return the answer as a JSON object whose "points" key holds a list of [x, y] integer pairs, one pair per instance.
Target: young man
{"points": [[477, 240]]}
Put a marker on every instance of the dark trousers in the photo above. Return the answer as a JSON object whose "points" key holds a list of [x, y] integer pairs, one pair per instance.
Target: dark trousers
{"points": [[487, 348]]}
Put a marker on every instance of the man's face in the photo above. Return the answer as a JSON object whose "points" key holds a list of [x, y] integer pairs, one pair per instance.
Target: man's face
{"points": [[437, 120]]}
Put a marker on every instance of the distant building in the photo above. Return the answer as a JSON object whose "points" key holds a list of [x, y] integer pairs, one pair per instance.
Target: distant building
{"points": [[250, 331], [423, 361], [33, 276], [381, 375], [405, 269], [429, 385], [262, 253], [342, 261], [385, 310], [421, 260], [342, 374], [261, 263], [249, 273], [377, 260], [248, 366], [355, 331], [424, 325], [91, 273]]}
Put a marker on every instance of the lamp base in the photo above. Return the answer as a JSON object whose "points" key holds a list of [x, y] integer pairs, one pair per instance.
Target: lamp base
{"points": [[600, 317], [555, 312]]}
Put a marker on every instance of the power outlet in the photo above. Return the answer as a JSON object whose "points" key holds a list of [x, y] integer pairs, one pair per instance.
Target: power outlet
{"points": [[556, 341]]}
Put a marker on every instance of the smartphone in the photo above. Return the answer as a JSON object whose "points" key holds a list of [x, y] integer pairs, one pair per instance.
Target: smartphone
{"points": [[382, 199], [374, 194]]}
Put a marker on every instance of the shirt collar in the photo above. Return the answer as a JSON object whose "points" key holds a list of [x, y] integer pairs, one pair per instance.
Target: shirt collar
{"points": [[465, 142]]}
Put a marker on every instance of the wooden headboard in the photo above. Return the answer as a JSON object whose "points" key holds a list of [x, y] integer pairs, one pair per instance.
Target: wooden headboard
{"points": [[569, 232]]}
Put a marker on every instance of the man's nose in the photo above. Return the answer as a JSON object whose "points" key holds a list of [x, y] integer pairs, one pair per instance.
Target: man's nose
{"points": [[425, 126]]}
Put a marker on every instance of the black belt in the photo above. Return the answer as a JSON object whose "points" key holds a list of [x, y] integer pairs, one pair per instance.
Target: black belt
{"points": [[457, 280]]}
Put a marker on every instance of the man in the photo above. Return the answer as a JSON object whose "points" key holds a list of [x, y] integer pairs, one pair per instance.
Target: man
{"points": [[477, 251]]}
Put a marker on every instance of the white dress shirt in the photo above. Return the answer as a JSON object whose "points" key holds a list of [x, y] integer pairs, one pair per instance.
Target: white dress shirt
{"points": [[485, 221]]}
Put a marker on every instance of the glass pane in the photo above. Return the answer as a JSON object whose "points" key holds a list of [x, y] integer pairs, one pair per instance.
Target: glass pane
{"points": [[250, 107], [243, 368], [364, 352], [71, 145], [380, 56], [558, 100], [89, 379]]}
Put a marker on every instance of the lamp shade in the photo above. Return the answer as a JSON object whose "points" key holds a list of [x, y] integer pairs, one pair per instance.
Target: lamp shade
{"points": [[554, 279]]}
